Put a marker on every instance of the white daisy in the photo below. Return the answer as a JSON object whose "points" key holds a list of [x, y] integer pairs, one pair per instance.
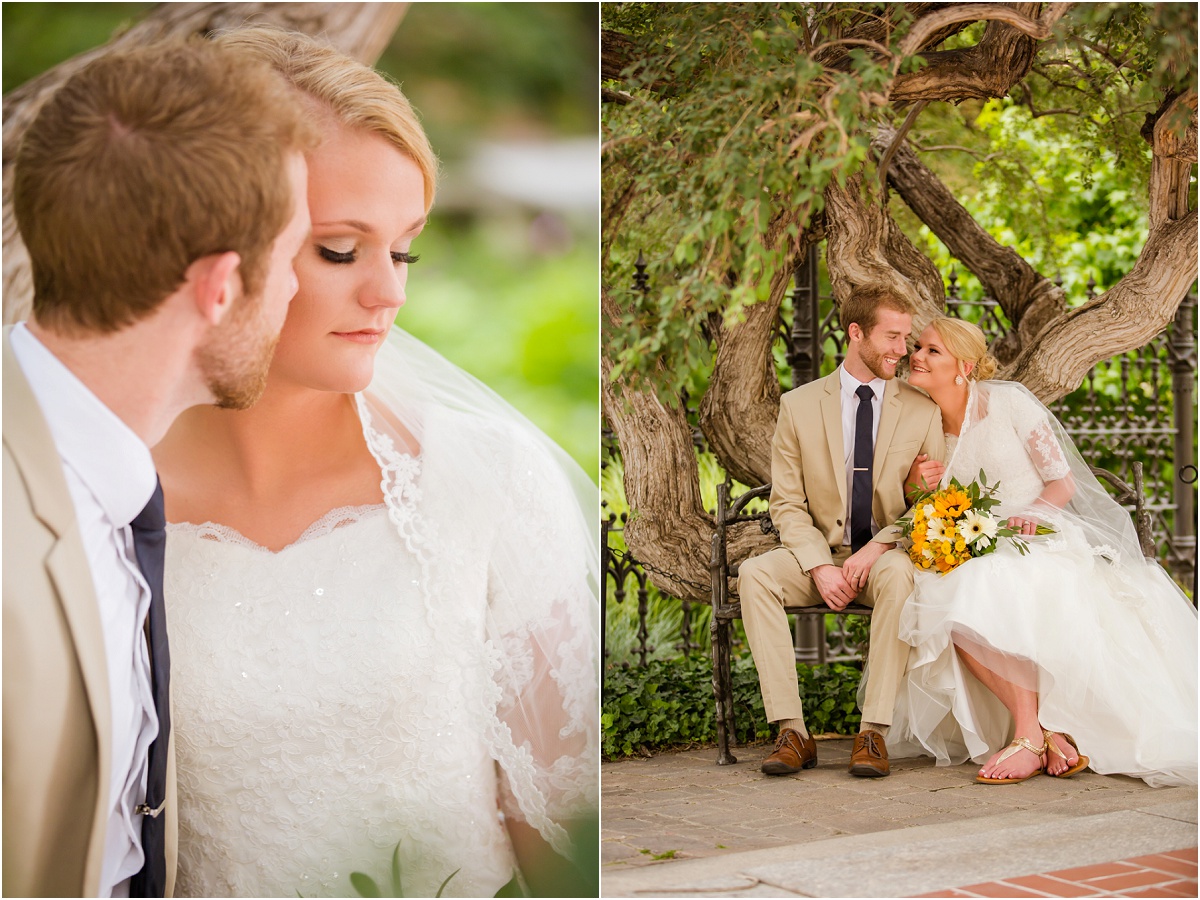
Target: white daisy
{"points": [[979, 527], [935, 530]]}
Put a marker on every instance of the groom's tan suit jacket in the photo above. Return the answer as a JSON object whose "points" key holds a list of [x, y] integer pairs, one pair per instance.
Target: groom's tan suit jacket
{"points": [[808, 473], [57, 716], [809, 506]]}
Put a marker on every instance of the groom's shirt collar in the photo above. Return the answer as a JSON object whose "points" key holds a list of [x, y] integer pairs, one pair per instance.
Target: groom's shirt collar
{"points": [[850, 385], [109, 458]]}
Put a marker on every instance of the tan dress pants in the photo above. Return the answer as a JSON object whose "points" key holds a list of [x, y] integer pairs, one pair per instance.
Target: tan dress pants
{"points": [[769, 582]]}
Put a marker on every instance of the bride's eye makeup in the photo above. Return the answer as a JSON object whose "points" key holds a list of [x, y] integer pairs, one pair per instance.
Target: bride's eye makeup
{"points": [[337, 256]]}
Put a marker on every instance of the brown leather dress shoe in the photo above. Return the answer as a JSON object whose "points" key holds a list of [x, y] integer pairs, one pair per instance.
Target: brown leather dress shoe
{"points": [[792, 753], [869, 757]]}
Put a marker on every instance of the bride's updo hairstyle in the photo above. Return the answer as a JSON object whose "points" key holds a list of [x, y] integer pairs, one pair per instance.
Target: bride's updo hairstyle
{"points": [[343, 91], [967, 344]]}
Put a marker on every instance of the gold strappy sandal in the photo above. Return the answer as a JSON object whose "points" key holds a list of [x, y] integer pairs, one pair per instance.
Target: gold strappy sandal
{"points": [[1019, 744], [1053, 748]]}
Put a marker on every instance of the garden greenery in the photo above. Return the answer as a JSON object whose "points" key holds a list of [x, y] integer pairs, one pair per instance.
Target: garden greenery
{"points": [[669, 703], [732, 131]]}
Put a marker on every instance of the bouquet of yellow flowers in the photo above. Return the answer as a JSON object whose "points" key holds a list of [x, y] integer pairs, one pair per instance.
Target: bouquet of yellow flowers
{"points": [[950, 525]]}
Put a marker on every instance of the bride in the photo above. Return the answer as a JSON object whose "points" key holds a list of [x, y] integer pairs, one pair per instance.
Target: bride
{"points": [[1082, 653], [381, 581]]}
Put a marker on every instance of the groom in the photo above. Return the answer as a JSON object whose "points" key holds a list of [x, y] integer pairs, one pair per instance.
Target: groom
{"points": [[843, 447], [161, 195]]}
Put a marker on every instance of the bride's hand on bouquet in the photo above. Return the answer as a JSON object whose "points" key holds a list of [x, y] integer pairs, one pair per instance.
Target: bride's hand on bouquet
{"points": [[1023, 524]]}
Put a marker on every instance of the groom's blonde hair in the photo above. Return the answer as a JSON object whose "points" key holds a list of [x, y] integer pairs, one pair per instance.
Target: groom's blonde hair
{"points": [[341, 90], [145, 160]]}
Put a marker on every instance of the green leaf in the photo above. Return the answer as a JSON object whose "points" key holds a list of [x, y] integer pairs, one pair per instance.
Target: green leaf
{"points": [[397, 883], [364, 884], [446, 882]]}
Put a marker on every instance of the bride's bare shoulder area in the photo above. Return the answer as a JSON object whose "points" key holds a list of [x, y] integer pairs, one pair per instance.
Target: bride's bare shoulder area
{"points": [[184, 471]]}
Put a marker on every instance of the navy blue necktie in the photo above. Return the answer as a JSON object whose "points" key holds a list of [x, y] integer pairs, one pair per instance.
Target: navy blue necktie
{"points": [[150, 544], [864, 454]]}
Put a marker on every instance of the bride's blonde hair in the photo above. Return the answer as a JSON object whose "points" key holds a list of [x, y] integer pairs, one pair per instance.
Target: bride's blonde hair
{"points": [[966, 343], [345, 90]]}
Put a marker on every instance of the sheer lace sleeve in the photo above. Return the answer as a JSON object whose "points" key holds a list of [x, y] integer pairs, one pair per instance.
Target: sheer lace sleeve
{"points": [[540, 625], [505, 527], [1033, 428]]}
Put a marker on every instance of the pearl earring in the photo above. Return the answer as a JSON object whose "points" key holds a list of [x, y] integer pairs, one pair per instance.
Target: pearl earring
{"points": [[958, 379]]}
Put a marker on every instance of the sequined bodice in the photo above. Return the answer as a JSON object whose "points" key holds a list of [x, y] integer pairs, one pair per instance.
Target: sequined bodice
{"points": [[320, 721]]}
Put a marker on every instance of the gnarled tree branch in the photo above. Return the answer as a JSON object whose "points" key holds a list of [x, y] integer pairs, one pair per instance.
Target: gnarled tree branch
{"points": [[1002, 57], [866, 248], [1027, 298], [668, 529], [1127, 316]]}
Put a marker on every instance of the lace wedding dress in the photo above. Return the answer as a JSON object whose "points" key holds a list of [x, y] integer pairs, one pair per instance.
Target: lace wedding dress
{"points": [[1112, 639], [403, 674]]}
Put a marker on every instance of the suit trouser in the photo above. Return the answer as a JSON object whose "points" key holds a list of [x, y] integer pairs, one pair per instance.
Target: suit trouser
{"points": [[774, 580]]}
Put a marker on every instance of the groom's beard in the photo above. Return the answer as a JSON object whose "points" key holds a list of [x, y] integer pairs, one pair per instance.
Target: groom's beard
{"points": [[873, 360], [234, 361]]}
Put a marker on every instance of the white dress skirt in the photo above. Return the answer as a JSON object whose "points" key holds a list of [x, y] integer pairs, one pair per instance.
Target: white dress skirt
{"points": [[1107, 641]]}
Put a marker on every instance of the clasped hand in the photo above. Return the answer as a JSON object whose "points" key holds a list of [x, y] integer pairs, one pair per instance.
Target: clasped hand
{"points": [[925, 473], [839, 585]]}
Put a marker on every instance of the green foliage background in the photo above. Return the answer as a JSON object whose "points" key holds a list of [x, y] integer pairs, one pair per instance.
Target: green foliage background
{"points": [[729, 128], [670, 702], [522, 319]]}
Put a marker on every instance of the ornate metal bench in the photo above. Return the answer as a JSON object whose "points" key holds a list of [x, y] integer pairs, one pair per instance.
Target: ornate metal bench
{"points": [[726, 607]]}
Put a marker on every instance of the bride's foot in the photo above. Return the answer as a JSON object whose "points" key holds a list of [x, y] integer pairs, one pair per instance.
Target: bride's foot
{"points": [[1016, 762], [1062, 756]]}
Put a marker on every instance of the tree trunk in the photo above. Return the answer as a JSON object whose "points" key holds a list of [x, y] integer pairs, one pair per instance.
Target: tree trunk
{"points": [[867, 248], [738, 411], [667, 528], [1142, 304], [739, 408], [1135, 310], [362, 30], [1028, 299]]}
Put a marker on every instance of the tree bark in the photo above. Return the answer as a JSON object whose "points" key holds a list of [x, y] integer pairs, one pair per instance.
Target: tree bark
{"points": [[668, 529], [739, 408], [1002, 57], [1142, 304], [1028, 299], [738, 411], [1127, 316], [362, 30], [866, 248]]}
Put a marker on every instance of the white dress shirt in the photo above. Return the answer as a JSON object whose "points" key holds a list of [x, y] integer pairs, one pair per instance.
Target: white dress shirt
{"points": [[850, 402], [111, 477]]}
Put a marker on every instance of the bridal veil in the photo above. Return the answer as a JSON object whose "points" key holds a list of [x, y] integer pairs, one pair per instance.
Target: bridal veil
{"points": [[493, 486]]}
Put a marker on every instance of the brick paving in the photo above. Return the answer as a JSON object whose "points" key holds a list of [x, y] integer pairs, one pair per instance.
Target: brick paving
{"points": [[1171, 874], [682, 810]]}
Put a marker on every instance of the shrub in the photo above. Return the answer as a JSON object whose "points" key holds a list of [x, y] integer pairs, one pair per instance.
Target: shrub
{"points": [[670, 703]]}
